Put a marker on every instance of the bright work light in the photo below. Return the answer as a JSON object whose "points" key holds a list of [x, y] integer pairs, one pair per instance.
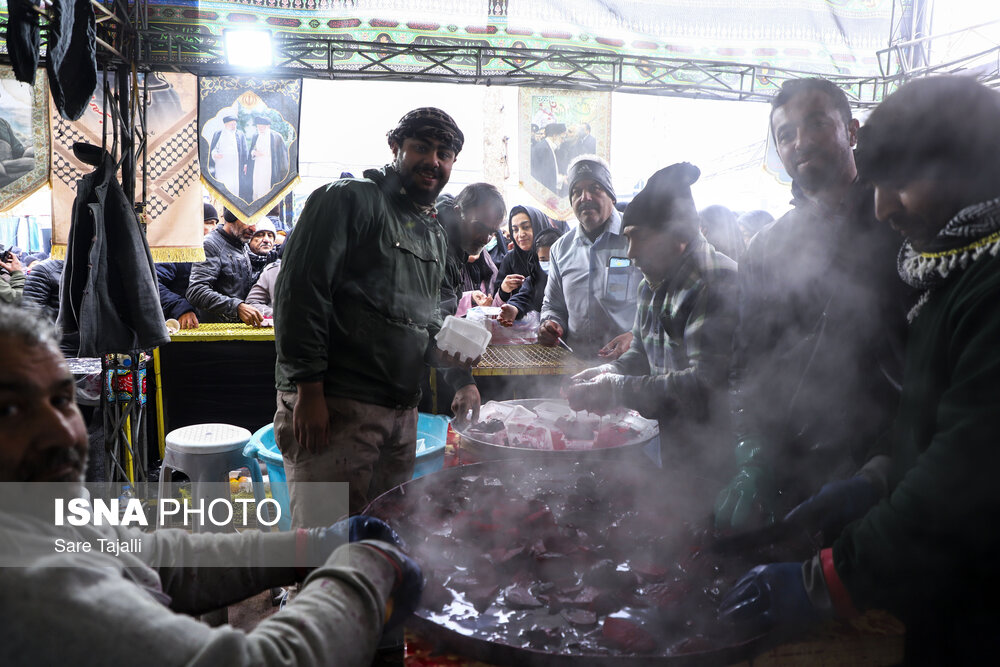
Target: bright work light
{"points": [[249, 48]]}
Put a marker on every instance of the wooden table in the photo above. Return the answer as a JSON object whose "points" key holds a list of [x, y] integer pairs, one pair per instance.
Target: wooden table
{"points": [[221, 332]]}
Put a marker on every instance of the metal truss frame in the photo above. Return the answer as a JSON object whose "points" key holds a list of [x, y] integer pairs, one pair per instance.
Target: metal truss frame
{"points": [[909, 27], [332, 57], [984, 65]]}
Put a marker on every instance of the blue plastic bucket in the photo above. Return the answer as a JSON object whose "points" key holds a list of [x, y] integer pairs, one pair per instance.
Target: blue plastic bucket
{"points": [[432, 431], [262, 447]]}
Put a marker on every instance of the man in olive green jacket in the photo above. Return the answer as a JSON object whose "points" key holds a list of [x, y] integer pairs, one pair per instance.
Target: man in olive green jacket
{"points": [[356, 311]]}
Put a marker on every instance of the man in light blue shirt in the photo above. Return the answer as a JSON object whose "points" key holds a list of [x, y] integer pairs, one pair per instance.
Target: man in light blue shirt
{"points": [[590, 299]]}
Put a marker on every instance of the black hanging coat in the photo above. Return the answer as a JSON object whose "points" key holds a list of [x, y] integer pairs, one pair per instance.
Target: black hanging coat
{"points": [[109, 293], [71, 58]]}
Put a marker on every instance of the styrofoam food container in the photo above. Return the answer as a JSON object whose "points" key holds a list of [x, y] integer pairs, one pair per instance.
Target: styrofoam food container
{"points": [[490, 312], [463, 337]]}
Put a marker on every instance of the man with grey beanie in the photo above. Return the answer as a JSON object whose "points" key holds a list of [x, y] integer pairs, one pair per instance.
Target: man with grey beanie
{"points": [[590, 296]]}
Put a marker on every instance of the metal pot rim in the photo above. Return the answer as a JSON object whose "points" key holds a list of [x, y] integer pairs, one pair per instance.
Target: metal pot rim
{"points": [[649, 430]]}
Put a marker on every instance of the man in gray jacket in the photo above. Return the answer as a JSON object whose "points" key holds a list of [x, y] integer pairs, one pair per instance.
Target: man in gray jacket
{"points": [[219, 285], [590, 297], [77, 606]]}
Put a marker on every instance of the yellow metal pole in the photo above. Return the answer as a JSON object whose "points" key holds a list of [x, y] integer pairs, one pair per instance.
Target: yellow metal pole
{"points": [[130, 464], [161, 434]]}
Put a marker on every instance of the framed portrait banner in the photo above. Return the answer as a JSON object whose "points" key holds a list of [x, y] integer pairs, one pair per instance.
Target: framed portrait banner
{"points": [[248, 139], [554, 127], [24, 138], [173, 211]]}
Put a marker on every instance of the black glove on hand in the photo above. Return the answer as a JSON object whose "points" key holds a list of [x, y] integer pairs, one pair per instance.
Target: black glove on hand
{"points": [[836, 505]]}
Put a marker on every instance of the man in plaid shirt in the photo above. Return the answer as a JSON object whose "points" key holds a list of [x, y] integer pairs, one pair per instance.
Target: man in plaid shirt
{"points": [[677, 367]]}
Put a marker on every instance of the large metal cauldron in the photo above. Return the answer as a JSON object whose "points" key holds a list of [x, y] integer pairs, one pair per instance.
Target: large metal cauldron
{"points": [[415, 507], [646, 432]]}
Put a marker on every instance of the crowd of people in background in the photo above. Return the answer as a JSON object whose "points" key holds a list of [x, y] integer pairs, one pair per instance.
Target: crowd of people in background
{"points": [[228, 285], [34, 277]]}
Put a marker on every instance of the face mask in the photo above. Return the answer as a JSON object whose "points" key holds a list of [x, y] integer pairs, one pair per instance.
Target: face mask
{"points": [[492, 244], [543, 265]]}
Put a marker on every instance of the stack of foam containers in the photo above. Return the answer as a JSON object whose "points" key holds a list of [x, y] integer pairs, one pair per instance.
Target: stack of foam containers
{"points": [[467, 339]]}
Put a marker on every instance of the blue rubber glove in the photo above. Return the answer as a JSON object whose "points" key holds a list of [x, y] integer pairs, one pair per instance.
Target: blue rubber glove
{"points": [[324, 541], [770, 598], [405, 596], [748, 500], [836, 505], [368, 528]]}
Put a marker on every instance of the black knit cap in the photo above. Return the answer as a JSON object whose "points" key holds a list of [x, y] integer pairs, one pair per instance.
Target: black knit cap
{"points": [[666, 200], [594, 169], [428, 122], [934, 127], [211, 213]]}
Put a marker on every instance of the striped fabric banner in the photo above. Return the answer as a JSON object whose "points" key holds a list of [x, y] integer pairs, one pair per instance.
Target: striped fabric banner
{"points": [[173, 191]]}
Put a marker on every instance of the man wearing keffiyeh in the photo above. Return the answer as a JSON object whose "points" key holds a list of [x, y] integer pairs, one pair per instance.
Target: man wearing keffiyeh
{"points": [[677, 367], [925, 548]]}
